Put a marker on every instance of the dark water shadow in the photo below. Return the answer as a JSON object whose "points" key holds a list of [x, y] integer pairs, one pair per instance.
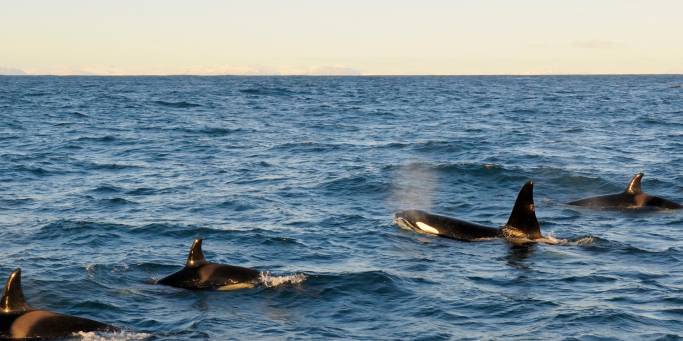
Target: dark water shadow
{"points": [[518, 254]]}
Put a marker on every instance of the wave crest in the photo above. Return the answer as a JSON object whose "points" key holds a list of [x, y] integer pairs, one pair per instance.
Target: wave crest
{"points": [[270, 281], [181, 104], [115, 336]]}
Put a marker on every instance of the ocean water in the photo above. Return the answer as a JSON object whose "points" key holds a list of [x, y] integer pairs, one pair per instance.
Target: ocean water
{"points": [[105, 182]]}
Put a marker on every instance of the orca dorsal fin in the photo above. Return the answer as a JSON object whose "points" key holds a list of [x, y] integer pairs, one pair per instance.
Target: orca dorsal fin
{"points": [[634, 185], [196, 256], [523, 216], [12, 296]]}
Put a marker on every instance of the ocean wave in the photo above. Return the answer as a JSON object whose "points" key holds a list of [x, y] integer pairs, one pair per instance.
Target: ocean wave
{"points": [[368, 283], [36, 94], [90, 165], [143, 191], [188, 232], [281, 241], [310, 147], [78, 114], [17, 201], [106, 189], [462, 170], [94, 305], [218, 131], [592, 278], [266, 91], [357, 184], [446, 146], [211, 131], [105, 138], [67, 228], [602, 245], [117, 201], [41, 171], [180, 104]]}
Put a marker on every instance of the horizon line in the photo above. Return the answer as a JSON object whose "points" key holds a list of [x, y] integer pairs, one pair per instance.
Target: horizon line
{"points": [[333, 75]]}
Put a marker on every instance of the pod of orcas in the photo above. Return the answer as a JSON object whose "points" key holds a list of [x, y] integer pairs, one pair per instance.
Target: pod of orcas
{"points": [[20, 321], [522, 226]]}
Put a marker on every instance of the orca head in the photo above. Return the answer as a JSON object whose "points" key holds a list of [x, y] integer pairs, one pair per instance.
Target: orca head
{"points": [[406, 219], [13, 300], [415, 220], [522, 222]]}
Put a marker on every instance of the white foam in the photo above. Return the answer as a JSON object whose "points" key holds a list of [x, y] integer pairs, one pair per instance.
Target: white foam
{"points": [[270, 281], [585, 241], [550, 239], [117, 336], [547, 239]]}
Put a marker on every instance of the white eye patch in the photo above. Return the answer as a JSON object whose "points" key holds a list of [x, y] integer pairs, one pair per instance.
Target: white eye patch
{"points": [[426, 228]]}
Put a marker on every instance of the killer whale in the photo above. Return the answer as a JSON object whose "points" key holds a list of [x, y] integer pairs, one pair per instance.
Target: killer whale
{"points": [[632, 197], [199, 274], [19, 321], [521, 225]]}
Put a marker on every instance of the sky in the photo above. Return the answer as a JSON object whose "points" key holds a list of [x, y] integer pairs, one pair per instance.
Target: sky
{"points": [[341, 37]]}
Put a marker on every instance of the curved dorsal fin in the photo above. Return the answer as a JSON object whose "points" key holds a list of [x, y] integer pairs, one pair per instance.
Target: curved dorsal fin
{"points": [[523, 216], [634, 185], [196, 256], [12, 297]]}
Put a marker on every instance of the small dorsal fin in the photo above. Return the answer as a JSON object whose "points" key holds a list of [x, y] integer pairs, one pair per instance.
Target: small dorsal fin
{"points": [[634, 185], [12, 297], [523, 216], [196, 256]]}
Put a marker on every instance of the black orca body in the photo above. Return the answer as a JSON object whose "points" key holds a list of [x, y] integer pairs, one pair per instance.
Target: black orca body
{"points": [[19, 321], [200, 274], [522, 223], [632, 197]]}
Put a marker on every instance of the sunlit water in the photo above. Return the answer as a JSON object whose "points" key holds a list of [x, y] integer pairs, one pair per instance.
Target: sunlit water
{"points": [[105, 182]]}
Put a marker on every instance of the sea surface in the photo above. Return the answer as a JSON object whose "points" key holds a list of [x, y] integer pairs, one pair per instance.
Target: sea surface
{"points": [[106, 181]]}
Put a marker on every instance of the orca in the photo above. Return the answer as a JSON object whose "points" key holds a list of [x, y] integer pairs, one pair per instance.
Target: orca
{"points": [[19, 321], [199, 274], [521, 226], [632, 197]]}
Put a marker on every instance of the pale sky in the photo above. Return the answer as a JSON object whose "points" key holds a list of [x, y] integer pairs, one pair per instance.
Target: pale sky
{"points": [[373, 37]]}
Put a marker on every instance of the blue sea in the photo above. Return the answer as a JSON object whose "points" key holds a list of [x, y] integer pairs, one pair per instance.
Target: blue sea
{"points": [[106, 181]]}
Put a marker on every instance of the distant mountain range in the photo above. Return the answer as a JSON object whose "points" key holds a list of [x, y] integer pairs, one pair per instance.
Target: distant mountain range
{"points": [[8, 71]]}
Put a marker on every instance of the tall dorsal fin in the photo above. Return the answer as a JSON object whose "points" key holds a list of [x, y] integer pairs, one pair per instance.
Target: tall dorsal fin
{"points": [[196, 256], [523, 216], [12, 297], [634, 185]]}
